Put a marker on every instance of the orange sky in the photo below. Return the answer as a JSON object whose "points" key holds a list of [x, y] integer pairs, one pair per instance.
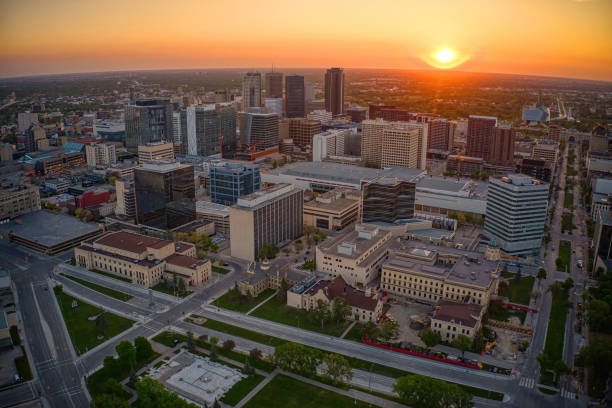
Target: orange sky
{"points": [[545, 37]]}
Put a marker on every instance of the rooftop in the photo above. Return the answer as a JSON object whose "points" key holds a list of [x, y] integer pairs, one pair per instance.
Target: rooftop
{"points": [[185, 261], [132, 242], [467, 314], [339, 288], [355, 243], [47, 228]]}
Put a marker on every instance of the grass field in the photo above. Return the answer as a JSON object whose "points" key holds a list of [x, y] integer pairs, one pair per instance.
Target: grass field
{"points": [[565, 252], [505, 314], [356, 332], [286, 392], [23, 366], [83, 332], [244, 333], [241, 389], [567, 223], [519, 291], [234, 300], [280, 313], [162, 287], [111, 275], [219, 269], [556, 330], [568, 200], [124, 297]]}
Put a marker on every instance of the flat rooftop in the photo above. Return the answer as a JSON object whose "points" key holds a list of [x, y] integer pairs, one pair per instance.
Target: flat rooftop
{"points": [[335, 205], [452, 186], [47, 228], [355, 243], [341, 173]]}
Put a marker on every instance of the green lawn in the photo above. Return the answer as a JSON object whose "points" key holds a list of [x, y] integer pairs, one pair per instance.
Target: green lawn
{"points": [[356, 332], [281, 313], [83, 332], [244, 333], [234, 300], [505, 314], [221, 270], [14, 331], [567, 223], [568, 201], [241, 389], [286, 392], [519, 291], [556, 325], [162, 287], [565, 252], [124, 297], [111, 275]]}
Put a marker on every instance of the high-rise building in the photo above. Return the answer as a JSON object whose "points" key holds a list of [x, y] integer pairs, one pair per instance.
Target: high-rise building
{"points": [[357, 113], [334, 91], [227, 117], [501, 151], [177, 128], [516, 213], [394, 143], [25, 119], [251, 90], [156, 185], [259, 130], [100, 154], [400, 146], [480, 135], [272, 216], [275, 105], [440, 135], [309, 91], [387, 200], [600, 140], [202, 130], [232, 181], [148, 120], [295, 102], [126, 198], [274, 85], [329, 143], [155, 151], [321, 115], [302, 131]]}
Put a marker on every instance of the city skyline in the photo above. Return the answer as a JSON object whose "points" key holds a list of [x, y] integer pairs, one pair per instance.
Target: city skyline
{"points": [[573, 41]]}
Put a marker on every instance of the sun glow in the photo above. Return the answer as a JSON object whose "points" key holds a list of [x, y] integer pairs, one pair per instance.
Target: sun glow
{"points": [[445, 58]]}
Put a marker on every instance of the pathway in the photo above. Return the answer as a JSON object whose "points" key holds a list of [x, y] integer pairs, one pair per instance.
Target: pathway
{"points": [[255, 390], [261, 303], [348, 329]]}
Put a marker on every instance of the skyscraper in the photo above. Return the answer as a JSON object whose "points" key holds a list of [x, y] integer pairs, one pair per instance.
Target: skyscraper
{"points": [[516, 213], [259, 130], [400, 146], [295, 102], [387, 200], [334, 91], [302, 131], [274, 84], [226, 115], [232, 181], [202, 130], [440, 135], [502, 146], [251, 90], [148, 120], [479, 136]]}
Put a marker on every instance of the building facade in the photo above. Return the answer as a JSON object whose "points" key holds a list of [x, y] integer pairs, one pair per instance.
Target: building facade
{"points": [[480, 135], [334, 210], [251, 90], [387, 200], [232, 181], [18, 200], [451, 319], [334, 91], [295, 102], [404, 144], [148, 120], [501, 151], [440, 135], [216, 213], [271, 216], [303, 130], [329, 143], [101, 154], [259, 130], [155, 151], [274, 85], [516, 212]]}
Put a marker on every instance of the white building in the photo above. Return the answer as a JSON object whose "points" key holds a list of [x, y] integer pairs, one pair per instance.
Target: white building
{"points": [[176, 126], [329, 143], [322, 115], [101, 154]]}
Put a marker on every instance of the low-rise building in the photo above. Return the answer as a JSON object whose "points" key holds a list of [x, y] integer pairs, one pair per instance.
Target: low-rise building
{"points": [[429, 273], [143, 259], [464, 164], [266, 275], [356, 256], [451, 319], [333, 210], [602, 192], [155, 151], [19, 199], [219, 214], [366, 306]]}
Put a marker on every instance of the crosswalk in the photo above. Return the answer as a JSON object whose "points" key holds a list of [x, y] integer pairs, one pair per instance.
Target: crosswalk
{"points": [[527, 382], [567, 394]]}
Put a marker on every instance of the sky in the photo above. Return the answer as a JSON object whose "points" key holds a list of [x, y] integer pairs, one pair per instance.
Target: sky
{"points": [[565, 38]]}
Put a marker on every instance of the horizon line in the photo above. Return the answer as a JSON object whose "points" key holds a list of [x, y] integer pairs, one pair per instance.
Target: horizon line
{"points": [[322, 68]]}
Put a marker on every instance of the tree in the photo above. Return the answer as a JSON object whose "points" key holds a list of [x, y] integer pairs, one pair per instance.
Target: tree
{"points": [[144, 351], [337, 368], [297, 358], [268, 251], [174, 281], [109, 401], [127, 354], [320, 313], [152, 394], [282, 292], [597, 357], [112, 367], [541, 274], [426, 392], [112, 386], [255, 354], [340, 310], [181, 287], [102, 324], [229, 345], [430, 337], [462, 342], [388, 330], [478, 343]]}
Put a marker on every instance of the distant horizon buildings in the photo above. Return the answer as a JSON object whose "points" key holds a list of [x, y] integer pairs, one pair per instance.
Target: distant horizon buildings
{"points": [[274, 84], [334, 91]]}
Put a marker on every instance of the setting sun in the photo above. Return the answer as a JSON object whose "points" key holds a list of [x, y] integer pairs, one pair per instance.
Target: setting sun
{"points": [[445, 55]]}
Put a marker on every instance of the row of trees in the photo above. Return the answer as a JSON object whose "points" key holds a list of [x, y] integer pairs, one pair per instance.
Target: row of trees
{"points": [[202, 242], [323, 313], [431, 338], [384, 332], [426, 392], [304, 360]]}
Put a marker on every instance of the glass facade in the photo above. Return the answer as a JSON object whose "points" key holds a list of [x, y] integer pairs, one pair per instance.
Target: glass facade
{"points": [[233, 181], [388, 202]]}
